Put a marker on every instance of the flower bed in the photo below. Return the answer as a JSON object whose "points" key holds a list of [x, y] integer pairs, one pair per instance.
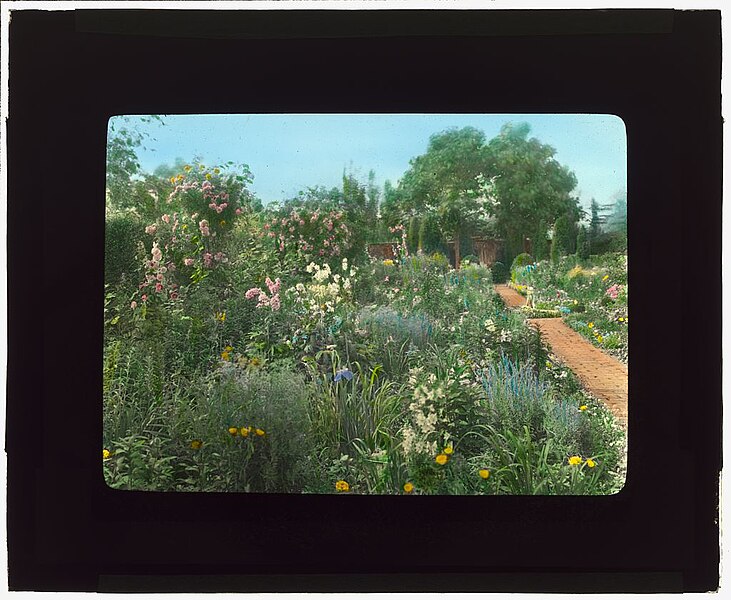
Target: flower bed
{"points": [[275, 358], [590, 295]]}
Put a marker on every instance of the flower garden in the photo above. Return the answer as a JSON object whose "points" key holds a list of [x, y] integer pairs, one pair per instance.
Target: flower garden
{"points": [[590, 294], [254, 348]]}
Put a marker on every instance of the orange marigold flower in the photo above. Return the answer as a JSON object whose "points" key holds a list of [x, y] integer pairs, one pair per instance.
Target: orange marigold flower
{"points": [[484, 473], [408, 487], [441, 459], [233, 430], [342, 486]]}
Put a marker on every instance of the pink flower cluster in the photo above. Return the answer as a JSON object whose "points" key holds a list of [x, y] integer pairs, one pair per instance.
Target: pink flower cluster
{"points": [[157, 275], [309, 232], [613, 291], [402, 247], [274, 302]]}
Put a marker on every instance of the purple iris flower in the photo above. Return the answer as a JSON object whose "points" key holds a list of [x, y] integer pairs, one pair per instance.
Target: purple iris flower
{"points": [[343, 373]]}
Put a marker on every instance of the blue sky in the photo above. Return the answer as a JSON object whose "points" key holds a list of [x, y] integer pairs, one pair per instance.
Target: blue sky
{"points": [[287, 153]]}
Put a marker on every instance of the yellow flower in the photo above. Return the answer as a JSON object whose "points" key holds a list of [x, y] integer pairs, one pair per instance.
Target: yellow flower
{"points": [[202, 167], [172, 179], [216, 171], [255, 362], [342, 486], [228, 348], [448, 450], [591, 324], [599, 339], [180, 177], [484, 473], [388, 262], [233, 430], [590, 463], [548, 364], [605, 277], [185, 226], [221, 316], [223, 222], [225, 355], [441, 459], [244, 432], [575, 460], [621, 319], [208, 176], [408, 487], [106, 454], [196, 444], [260, 432], [187, 168], [583, 407]]}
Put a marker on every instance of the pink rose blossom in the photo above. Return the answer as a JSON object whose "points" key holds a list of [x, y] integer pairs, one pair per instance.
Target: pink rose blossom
{"points": [[252, 293], [188, 262], [238, 211], [207, 259], [158, 287], [144, 297], [151, 229], [133, 305], [173, 295], [166, 218], [275, 302]]}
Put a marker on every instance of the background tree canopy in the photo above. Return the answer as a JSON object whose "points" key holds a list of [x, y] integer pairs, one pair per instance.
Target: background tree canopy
{"points": [[510, 183], [530, 185]]}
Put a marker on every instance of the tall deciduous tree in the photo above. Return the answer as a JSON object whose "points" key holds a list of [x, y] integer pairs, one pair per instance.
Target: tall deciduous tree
{"points": [[530, 185], [449, 181]]}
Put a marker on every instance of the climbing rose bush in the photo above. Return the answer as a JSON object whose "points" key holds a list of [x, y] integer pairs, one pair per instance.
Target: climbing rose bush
{"points": [[310, 235]]}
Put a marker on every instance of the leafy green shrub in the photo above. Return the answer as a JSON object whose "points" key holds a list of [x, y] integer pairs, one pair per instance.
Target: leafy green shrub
{"points": [[121, 236], [499, 272]]}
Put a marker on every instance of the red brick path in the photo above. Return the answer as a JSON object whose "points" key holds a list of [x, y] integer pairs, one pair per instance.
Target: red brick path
{"points": [[602, 375], [512, 298]]}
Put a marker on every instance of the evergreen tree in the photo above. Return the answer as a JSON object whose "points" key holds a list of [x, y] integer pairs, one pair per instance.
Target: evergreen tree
{"points": [[540, 241], [561, 238], [582, 244], [412, 235]]}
